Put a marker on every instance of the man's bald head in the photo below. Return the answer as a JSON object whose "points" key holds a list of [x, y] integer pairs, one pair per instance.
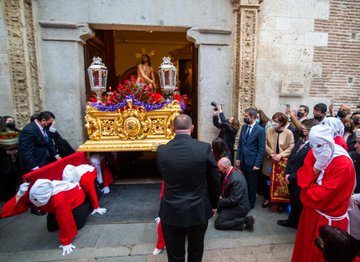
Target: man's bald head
{"points": [[345, 108], [224, 165], [183, 123]]}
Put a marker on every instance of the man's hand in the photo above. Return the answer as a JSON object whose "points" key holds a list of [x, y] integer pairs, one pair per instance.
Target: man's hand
{"points": [[22, 189], [287, 178], [58, 157], [99, 210], [157, 220], [67, 249], [214, 210], [255, 168], [237, 162], [316, 171]]}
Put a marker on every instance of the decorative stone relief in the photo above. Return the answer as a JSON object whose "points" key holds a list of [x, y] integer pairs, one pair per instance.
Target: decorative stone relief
{"points": [[245, 16], [23, 65]]}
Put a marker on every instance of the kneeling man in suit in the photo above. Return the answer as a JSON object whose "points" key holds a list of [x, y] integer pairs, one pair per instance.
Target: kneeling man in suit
{"points": [[192, 187], [233, 205]]}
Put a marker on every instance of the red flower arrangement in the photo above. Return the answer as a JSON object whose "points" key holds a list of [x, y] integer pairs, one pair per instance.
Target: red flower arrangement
{"points": [[138, 90], [9, 134]]}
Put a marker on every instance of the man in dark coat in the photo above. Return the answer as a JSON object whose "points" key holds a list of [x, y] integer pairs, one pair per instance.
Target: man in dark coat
{"points": [[192, 186], [233, 206], [250, 152], [36, 149], [295, 161]]}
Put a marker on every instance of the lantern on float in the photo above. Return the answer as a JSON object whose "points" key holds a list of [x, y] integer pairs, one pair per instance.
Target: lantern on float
{"points": [[167, 74], [98, 76]]}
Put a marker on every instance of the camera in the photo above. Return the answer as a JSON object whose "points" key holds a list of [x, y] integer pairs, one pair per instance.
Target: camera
{"points": [[214, 104]]}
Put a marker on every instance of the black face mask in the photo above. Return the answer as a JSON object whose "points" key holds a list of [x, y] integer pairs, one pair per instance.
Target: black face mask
{"points": [[10, 125], [246, 120], [341, 114], [348, 129], [300, 114], [301, 134], [318, 118]]}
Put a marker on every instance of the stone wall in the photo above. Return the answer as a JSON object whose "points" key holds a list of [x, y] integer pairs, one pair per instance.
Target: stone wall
{"points": [[286, 42], [340, 59], [6, 104]]}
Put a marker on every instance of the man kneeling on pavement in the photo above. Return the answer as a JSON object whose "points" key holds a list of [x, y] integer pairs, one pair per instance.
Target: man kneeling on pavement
{"points": [[233, 206]]}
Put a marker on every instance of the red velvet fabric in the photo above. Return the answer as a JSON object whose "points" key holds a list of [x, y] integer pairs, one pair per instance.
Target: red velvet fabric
{"points": [[53, 171]]}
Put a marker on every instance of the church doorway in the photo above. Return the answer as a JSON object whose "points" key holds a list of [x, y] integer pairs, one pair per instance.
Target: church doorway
{"points": [[121, 51]]}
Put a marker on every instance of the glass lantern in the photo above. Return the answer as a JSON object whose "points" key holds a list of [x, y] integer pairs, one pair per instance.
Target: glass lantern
{"points": [[98, 76], [167, 74]]}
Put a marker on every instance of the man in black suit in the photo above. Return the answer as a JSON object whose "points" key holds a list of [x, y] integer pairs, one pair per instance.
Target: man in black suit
{"points": [[233, 206], [192, 187], [36, 149], [295, 162], [250, 152]]}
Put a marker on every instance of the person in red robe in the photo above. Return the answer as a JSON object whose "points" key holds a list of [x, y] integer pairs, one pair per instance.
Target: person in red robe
{"points": [[338, 131], [58, 197], [326, 188], [160, 244], [104, 175], [85, 175]]}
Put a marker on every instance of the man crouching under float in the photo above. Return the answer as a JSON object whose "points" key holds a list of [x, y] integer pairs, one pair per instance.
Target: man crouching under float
{"points": [[64, 201]]}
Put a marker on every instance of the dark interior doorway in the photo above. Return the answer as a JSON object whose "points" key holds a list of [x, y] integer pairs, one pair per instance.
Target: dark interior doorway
{"points": [[120, 50]]}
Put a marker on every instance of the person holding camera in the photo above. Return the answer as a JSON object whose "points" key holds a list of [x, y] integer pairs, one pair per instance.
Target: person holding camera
{"points": [[228, 128]]}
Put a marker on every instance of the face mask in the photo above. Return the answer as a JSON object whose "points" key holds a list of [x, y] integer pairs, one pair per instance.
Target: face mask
{"points": [[246, 120], [322, 154], [348, 129], [300, 114], [275, 125], [301, 134], [10, 125], [257, 121], [318, 118], [341, 114]]}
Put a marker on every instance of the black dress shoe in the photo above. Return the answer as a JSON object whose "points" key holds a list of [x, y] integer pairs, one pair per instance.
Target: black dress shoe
{"points": [[286, 223], [249, 225]]}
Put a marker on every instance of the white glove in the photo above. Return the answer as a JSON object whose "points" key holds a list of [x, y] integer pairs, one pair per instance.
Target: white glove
{"points": [[356, 198], [106, 190], [22, 189], [67, 249], [157, 220], [99, 210]]}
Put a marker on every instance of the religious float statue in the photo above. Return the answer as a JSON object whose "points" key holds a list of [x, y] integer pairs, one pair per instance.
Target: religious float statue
{"points": [[132, 117]]}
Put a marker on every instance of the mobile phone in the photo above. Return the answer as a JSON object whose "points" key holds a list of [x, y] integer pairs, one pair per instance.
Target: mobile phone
{"points": [[287, 105]]}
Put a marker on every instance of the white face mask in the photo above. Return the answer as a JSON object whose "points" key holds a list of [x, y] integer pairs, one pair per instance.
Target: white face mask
{"points": [[322, 153], [275, 125]]}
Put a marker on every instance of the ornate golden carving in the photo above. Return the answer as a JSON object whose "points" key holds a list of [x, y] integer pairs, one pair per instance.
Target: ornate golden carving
{"points": [[245, 54], [24, 76], [130, 129]]}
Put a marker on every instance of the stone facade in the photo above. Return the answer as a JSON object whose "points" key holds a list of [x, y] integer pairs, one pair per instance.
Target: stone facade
{"points": [[250, 53], [339, 61]]}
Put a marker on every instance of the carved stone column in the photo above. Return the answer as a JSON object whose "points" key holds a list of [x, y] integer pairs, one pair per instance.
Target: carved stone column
{"points": [[245, 35], [23, 64]]}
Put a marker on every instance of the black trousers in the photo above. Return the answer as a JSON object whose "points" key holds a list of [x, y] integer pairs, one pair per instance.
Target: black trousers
{"points": [[296, 205], [226, 220], [251, 177], [175, 242], [80, 214]]}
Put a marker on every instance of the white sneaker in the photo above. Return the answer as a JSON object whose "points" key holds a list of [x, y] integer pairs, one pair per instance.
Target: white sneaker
{"points": [[157, 251], [106, 190]]}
